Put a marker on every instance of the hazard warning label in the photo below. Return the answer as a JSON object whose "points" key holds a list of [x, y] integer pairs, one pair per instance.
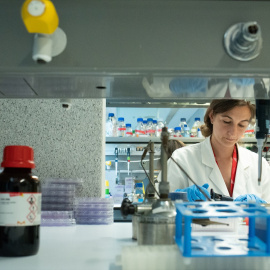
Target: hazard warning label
{"points": [[20, 209]]}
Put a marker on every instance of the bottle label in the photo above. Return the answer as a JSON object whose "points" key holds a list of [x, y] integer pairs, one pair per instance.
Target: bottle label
{"points": [[139, 131], [249, 131], [20, 208]]}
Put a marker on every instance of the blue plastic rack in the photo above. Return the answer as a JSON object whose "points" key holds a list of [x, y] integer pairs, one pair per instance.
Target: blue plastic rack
{"points": [[257, 243]]}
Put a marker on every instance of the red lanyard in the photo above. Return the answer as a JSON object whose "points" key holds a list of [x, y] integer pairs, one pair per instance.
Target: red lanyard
{"points": [[234, 167]]}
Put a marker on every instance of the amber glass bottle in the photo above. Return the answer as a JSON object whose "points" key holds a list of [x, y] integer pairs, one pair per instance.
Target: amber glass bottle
{"points": [[20, 203]]}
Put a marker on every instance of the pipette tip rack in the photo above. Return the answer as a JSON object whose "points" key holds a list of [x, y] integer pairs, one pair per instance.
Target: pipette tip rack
{"points": [[256, 243]]}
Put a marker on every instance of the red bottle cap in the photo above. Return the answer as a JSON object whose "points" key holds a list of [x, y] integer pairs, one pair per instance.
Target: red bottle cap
{"points": [[18, 156]]}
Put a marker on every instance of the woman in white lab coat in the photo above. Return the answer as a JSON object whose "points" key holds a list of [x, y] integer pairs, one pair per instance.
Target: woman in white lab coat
{"points": [[218, 162]]}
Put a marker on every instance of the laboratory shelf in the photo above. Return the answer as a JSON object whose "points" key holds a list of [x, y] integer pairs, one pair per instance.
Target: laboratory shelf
{"points": [[158, 140], [257, 243]]}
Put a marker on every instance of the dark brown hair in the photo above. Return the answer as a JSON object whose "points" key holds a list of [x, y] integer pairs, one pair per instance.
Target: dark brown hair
{"points": [[173, 144], [221, 106]]}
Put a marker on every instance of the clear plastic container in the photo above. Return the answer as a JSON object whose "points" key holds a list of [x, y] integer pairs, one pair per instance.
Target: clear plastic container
{"points": [[177, 132], [149, 128], [159, 127], [121, 127], [140, 130], [183, 122], [129, 130], [111, 126], [186, 133], [194, 129]]}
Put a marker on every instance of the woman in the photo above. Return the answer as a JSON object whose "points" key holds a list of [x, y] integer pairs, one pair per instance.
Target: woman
{"points": [[218, 162]]}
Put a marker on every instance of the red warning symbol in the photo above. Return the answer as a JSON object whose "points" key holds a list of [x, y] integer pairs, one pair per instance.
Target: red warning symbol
{"points": [[31, 199], [33, 208], [31, 217]]}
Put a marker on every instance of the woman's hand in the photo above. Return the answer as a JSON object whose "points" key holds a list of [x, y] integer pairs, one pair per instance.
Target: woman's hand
{"points": [[249, 198], [194, 193]]}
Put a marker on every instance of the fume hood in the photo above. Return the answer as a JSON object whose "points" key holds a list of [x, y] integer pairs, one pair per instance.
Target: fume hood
{"points": [[136, 52]]}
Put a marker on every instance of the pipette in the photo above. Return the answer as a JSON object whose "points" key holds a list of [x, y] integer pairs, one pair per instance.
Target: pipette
{"points": [[128, 159], [262, 124], [219, 197]]}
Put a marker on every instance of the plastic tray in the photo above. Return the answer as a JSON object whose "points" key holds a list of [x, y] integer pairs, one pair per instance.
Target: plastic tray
{"points": [[255, 244]]}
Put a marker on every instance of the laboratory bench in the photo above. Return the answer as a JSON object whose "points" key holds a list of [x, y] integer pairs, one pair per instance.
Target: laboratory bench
{"points": [[110, 247], [80, 247]]}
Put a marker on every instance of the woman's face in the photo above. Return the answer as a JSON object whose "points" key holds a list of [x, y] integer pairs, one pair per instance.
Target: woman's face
{"points": [[229, 127]]}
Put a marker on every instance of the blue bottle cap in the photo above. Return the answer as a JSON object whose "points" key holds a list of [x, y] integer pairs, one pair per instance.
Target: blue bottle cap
{"points": [[121, 119], [155, 121], [111, 114], [183, 119], [177, 128], [139, 119], [128, 125], [149, 119], [139, 185], [197, 119], [144, 121]]}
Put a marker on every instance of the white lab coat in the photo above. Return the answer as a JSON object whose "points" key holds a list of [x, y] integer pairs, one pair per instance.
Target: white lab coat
{"points": [[199, 162]]}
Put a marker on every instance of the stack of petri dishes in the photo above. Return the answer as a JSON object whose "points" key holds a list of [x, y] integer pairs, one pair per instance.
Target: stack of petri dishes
{"points": [[58, 199], [94, 210], [57, 218]]}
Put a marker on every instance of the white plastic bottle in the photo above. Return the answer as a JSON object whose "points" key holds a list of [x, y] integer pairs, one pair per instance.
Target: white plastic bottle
{"points": [[199, 133], [183, 122], [129, 130], [177, 132], [149, 127], [121, 127], [110, 125], [139, 131], [159, 127], [186, 131], [194, 129]]}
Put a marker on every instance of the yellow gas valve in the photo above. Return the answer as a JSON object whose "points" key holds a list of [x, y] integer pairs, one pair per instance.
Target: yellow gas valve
{"points": [[39, 16]]}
